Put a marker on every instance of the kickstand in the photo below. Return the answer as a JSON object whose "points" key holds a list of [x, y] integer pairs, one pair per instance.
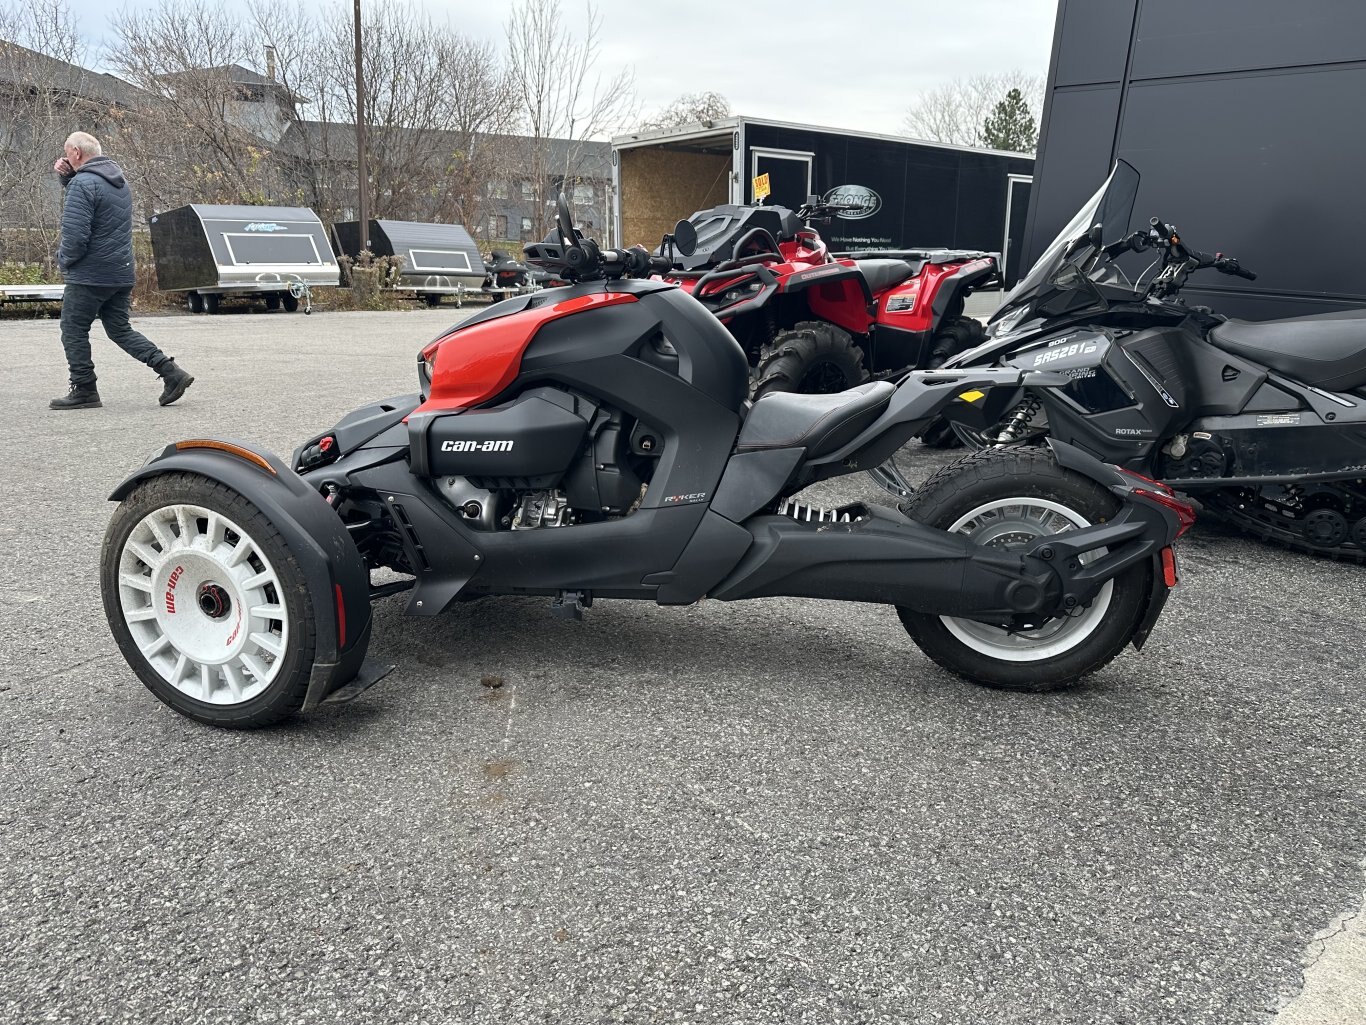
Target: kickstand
{"points": [[570, 604]]}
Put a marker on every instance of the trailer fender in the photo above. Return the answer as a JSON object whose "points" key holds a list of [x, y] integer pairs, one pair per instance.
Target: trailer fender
{"points": [[338, 580]]}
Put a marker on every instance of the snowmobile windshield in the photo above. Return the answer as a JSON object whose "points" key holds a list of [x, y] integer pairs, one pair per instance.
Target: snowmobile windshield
{"points": [[1060, 278]]}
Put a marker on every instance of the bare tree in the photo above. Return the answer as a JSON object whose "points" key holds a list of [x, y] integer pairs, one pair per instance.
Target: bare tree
{"points": [[436, 105], [199, 135], [688, 109], [561, 96], [482, 97], [955, 112], [44, 96]]}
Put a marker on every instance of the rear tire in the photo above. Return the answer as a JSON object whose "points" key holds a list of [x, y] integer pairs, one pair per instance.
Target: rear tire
{"points": [[195, 302], [290, 302], [207, 603], [814, 357], [432, 298], [1008, 497], [210, 301], [273, 302]]}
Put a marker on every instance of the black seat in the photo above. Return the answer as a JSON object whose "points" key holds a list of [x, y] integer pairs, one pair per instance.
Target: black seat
{"points": [[882, 274], [819, 423], [1327, 350]]}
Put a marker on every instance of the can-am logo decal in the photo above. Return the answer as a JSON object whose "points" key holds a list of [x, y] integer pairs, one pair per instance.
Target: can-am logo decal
{"points": [[265, 226], [476, 446], [865, 201], [171, 583]]}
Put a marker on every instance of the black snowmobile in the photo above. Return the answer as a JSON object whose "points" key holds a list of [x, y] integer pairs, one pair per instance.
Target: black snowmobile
{"points": [[1264, 422]]}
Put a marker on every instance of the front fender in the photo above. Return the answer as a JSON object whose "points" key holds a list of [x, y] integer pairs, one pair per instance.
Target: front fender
{"points": [[337, 578]]}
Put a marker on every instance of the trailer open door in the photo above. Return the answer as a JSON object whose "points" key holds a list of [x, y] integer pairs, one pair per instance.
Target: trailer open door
{"points": [[1018, 187], [789, 175]]}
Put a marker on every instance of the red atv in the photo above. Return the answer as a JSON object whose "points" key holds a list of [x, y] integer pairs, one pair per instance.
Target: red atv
{"points": [[813, 321]]}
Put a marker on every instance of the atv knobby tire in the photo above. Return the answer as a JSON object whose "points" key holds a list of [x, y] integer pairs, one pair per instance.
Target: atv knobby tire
{"points": [[146, 530], [813, 357], [1003, 483], [955, 336]]}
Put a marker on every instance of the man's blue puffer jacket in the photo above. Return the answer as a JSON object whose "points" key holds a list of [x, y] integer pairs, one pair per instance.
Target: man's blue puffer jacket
{"points": [[97, 227]]}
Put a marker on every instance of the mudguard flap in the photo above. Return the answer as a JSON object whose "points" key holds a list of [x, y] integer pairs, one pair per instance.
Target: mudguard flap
{"points": [[338, 580]]}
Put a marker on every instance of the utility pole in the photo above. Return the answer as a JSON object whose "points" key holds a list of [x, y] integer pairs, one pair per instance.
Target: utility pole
{"points": [[362, 168]]}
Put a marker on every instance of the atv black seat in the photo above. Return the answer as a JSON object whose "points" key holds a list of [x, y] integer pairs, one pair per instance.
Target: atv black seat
{"points": [[1327, 350], [882, 274], [819, 423]]}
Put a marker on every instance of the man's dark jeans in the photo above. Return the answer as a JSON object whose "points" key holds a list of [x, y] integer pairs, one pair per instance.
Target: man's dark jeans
{"points": [[81, 305]]}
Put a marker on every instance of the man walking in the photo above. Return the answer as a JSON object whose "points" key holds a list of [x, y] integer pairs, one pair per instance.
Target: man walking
{"points": [[96, 260]]}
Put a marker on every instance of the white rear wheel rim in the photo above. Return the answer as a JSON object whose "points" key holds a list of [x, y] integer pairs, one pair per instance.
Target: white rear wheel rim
{"points": [[203, 604], [1011, 523]]}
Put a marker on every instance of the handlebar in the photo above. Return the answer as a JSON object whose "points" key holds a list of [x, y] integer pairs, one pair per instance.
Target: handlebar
{"points": [[1178, 260]]}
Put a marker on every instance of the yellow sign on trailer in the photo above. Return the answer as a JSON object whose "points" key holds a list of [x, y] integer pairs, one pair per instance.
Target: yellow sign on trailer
{"points": [[761, 188]]}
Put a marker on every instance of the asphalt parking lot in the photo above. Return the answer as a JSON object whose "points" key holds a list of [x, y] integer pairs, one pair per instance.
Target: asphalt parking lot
{"points": [[777, 811]]}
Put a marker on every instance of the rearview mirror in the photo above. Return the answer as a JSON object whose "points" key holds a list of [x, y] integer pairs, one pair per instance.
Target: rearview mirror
{"points": [[685, 238], [1094, 236]]}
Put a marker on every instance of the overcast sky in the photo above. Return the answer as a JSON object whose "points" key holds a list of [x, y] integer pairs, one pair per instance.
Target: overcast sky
{"points": [[855, 64]]}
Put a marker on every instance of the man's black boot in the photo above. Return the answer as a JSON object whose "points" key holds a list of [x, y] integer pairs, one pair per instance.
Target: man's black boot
{"points": [[81, 396], [176, 382]]}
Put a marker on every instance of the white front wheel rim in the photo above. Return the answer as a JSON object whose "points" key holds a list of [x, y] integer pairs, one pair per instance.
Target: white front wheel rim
{"points": [[1011, 523], [203, 604]]}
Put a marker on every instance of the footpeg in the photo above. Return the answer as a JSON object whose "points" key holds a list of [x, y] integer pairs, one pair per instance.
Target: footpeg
{"points": [[570, 604]]}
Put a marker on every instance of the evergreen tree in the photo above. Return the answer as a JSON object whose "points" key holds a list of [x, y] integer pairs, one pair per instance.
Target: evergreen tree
{"points": [[1010, 126]]}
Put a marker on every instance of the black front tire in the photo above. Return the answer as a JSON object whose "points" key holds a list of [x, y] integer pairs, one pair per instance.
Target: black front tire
{"points": [[273, 302], [991, 656], [432, 298], [195, 302], [813, 357], [284, 694], [290, 301], [210, 301]]}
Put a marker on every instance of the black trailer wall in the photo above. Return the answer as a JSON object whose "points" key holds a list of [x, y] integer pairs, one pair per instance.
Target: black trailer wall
{"points": [[1244, 118], [929, 196]]}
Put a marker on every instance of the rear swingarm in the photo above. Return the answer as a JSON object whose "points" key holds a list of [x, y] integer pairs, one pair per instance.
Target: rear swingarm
{"points": [[883, 557]]}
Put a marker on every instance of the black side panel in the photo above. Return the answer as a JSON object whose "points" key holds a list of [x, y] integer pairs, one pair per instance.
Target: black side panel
{"points": [[1221, 383], [1270, 399], [364, 424], [715, 549], [612, 558], [709, 358], [752, 480], [440, 549], [531, 439], [589, 352]]}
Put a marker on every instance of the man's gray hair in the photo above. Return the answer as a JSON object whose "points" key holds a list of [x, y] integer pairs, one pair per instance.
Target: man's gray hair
{"points": [[86, 143]]}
